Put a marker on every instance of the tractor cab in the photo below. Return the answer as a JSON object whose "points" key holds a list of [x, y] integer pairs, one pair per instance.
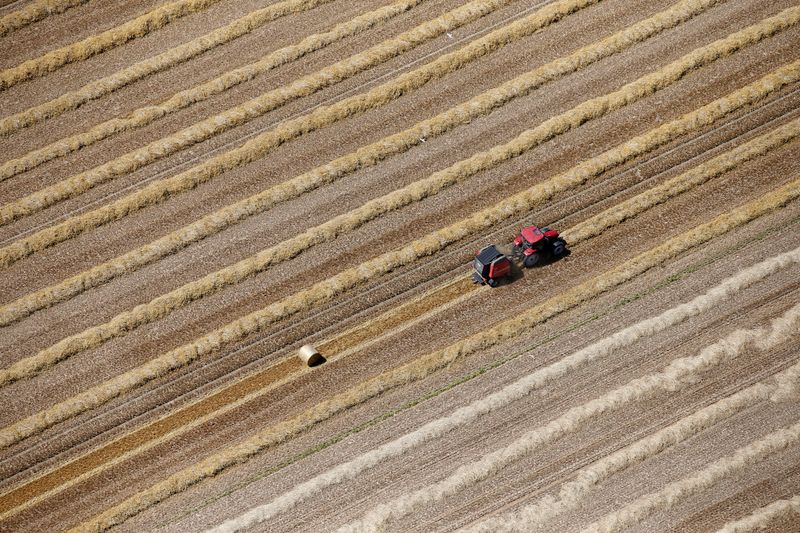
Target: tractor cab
{"points": [[533, 245], [490, 265], [532, 237]]}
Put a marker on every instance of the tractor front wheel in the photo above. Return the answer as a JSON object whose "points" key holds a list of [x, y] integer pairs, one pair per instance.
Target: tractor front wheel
{"points": [[559, 248], [532, 260]]}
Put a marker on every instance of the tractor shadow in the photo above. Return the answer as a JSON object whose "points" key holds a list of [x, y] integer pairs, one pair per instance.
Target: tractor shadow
{"points": [[518, 271]]}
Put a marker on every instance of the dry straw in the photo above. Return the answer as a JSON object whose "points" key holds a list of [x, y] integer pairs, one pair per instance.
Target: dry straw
{"points": [[521, 388], [695, 177], [98, 88], [404, 374], [374, 153], [601, 349], [702, 303], [572, 494], [745, 457], [673, 378], [34, 12], [790, 388], [256, 107], [161, 306], [260, 145], [148, 114], [326, 290], [760, 519], [133, 29]]}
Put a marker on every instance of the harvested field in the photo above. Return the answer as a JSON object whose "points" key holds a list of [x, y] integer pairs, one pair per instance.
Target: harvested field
{"points": [[190, 190]]}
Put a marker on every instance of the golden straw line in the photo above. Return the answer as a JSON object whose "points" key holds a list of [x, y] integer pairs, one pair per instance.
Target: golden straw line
{"points": [[520, 203], [33, 12], [150, 113], [425, 365], [163, 305], [355, 339], [174, 56], [96, 44], [260, 145], [363, 157]]}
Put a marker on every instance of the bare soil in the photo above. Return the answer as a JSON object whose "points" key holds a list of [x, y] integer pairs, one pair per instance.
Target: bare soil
{"points": [[384, 323]]}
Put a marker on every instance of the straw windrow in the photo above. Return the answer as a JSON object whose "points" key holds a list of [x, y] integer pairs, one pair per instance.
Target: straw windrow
{"points": [[33, 12], [260, 145], [325, 290], [174, 56], [677, 375], [96, 44], [150, 113], [374, 153], [404, 374]]}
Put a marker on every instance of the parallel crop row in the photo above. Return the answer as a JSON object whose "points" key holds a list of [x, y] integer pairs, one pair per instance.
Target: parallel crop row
{"points": [[148, 114], [33, 12], [365, 156], [407, 373], [256, 107], [260, 145], [673, 378], [161, 306], [521, 388], [133, 29], [325, 290], [695, 177], [759, 520], [598, 350], [677, 375], [572, 494], [677, 491], [108, 84]]}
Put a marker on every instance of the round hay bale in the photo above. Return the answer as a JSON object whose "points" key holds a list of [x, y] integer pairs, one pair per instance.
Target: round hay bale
{"points": [[310, 355]]}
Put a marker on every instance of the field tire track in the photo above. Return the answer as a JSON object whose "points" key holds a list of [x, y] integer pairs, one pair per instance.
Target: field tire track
{"points": [[163, 305], [120, 450], [96, 44], [148, 114], [363, 157], [404, 374]]}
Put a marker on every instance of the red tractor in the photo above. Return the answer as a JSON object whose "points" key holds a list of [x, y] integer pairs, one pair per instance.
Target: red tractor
{"points": [[532, 246]]}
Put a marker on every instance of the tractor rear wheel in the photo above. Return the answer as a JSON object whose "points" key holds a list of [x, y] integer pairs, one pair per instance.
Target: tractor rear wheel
{"points": [[532, 260]]}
